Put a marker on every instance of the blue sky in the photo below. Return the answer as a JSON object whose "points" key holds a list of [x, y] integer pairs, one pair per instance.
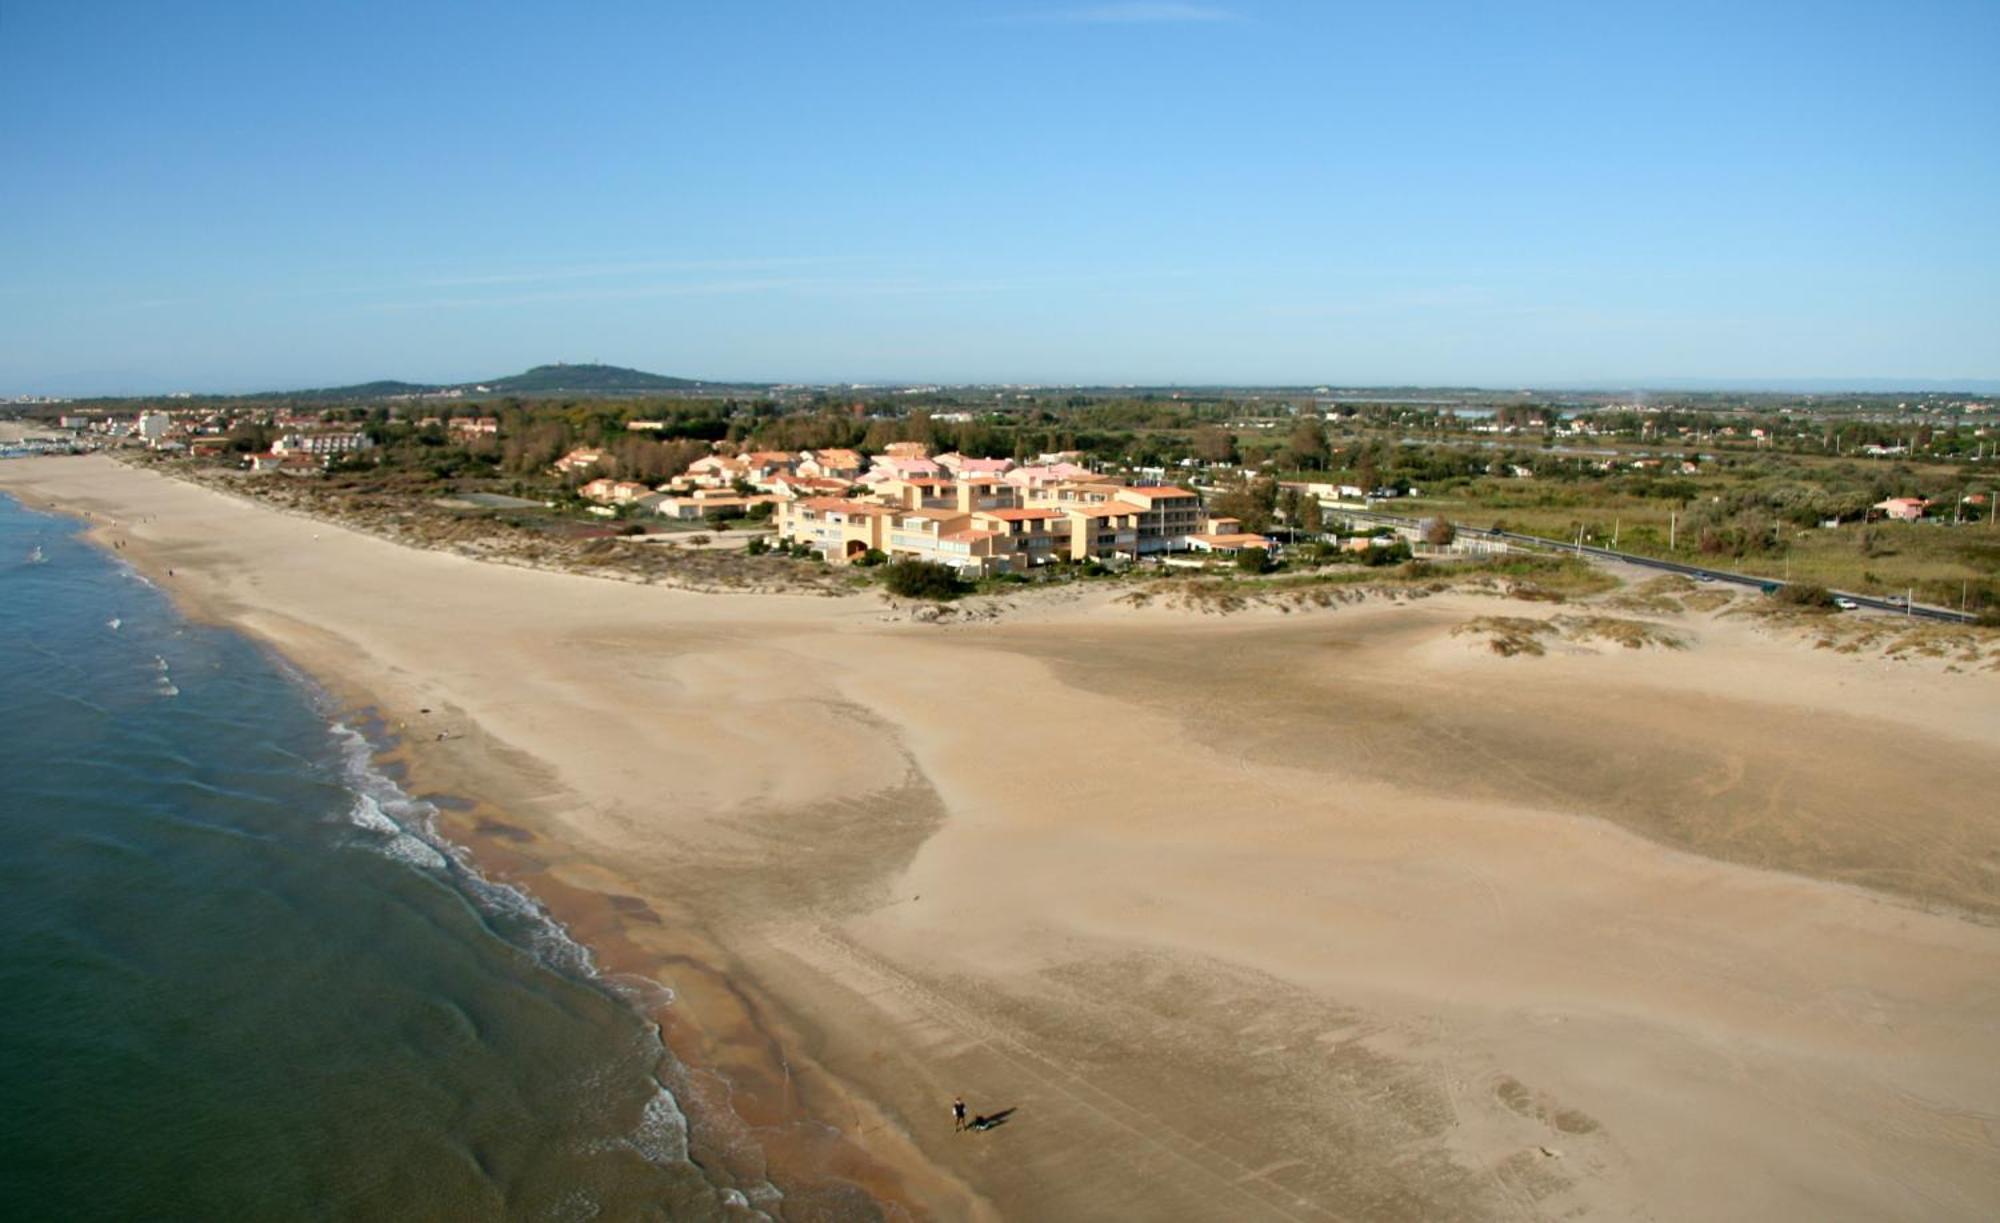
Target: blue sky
{"points": [[239, 196]]}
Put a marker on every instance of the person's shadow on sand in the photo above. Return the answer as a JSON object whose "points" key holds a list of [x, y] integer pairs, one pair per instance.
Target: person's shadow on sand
{"points": [[992, 1121]]}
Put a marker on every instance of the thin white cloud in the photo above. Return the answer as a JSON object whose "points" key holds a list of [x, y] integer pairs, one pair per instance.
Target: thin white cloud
{"points": [[1137, 12]]}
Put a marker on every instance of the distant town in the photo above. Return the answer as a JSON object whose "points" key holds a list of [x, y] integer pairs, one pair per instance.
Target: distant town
{"points": [[1021, 482]]}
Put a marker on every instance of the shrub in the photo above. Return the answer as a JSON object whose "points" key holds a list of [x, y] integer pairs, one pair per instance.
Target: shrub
{"points": [[922, 580], [1803, 594], [757, 546], [1254, 560], [871, 558], [1394, 554]]}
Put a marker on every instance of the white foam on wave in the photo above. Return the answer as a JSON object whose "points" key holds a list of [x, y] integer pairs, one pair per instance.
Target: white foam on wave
{"points": [[163, 683], [127, 569], [392, 841], [405, 828], [662, 1134]]}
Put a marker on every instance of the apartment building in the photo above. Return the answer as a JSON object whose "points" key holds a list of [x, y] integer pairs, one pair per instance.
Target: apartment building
{"points": [[956, 531], [1168, 517], [993, 516], [321, 443]]}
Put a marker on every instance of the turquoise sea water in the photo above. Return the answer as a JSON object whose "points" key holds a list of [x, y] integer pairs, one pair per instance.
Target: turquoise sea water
{"points": [[238, 978]]}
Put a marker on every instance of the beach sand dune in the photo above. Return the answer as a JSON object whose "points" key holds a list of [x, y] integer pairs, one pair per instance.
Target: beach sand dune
{"points": [[1324, 916]]}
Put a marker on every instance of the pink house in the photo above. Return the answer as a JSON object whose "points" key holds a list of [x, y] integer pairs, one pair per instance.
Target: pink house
{"points": [[970, 468], [1903, 509], [890, 467], [1044, 474]]}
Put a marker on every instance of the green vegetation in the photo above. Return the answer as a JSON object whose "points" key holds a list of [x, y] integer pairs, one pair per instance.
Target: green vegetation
{"points": [[1737, 481], [1805, 594], [910, 579]]}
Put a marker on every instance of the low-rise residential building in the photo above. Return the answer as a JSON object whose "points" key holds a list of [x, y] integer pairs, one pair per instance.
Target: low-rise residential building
{"points": [[1903, 509], [890, 467], [1229, 543], [581, 459], [993, 516], [606, 491], [1041, 475], [323, 444], [716, 471], [704, 503], [965, 467], [830, 464]]}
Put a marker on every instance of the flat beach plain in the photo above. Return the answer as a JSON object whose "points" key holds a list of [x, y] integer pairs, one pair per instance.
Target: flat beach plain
{"points": [[1330, 915]]}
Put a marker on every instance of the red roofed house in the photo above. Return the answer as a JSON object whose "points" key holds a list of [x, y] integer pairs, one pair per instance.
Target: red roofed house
{"points": [[829, 464]]}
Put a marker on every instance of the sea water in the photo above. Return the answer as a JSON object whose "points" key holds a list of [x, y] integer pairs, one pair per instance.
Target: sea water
{"points": [[239, 976]]}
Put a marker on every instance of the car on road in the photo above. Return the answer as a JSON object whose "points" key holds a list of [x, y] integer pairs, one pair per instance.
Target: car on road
{"points": [[1846, 604]]}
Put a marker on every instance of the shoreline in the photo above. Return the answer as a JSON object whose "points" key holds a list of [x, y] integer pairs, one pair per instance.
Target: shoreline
{"points": [[792, 1132], [1270, 916]]}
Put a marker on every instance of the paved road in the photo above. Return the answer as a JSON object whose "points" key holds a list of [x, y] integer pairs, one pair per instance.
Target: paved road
{"points": [[1694, 571]]}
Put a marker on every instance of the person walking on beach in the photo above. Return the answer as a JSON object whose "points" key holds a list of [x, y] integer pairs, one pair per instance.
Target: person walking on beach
{"points": [[957, 1113]]}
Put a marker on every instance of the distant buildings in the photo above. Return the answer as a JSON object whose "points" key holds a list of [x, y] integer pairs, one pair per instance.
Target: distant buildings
{"points": [[981, 524], [324, 444], [582, 459]]}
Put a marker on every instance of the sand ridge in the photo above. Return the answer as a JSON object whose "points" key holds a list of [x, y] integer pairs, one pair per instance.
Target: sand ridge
{"points": [[1327, 916]]}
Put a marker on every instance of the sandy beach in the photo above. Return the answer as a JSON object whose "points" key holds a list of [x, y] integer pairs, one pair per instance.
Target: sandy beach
{"points": [[1328, 915]]}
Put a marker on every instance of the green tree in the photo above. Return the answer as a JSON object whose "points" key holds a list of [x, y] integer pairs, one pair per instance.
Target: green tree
{"points": [[1214, 444], [1254, 560], [1307, 447], [911, 579]]}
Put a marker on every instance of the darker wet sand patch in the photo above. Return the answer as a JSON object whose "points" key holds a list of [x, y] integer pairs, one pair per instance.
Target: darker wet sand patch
{"points": [[1826, 793], [499, 829]]}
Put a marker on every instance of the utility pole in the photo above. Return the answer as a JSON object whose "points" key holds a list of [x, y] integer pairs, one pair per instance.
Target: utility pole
{"points": [[1673, 529]]}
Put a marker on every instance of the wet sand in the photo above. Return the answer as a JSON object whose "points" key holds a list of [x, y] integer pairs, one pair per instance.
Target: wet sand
{"points": [[1330, 915]]}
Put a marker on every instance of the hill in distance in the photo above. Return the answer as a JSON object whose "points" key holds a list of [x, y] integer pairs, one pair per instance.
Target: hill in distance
{"points": [[586, 379], [597, 379]]}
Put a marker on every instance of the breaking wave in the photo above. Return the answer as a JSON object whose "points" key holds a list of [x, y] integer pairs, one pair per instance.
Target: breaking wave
{"points": [[397, 825]]}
